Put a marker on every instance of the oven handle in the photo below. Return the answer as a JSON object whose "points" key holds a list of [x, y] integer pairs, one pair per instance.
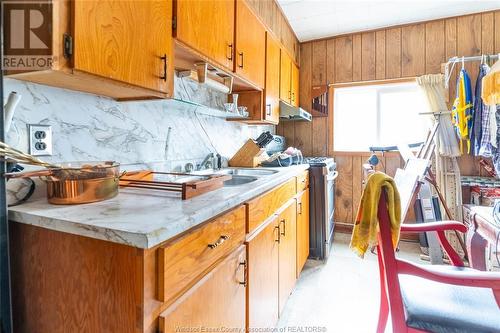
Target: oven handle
{"points": [[333, 176]]}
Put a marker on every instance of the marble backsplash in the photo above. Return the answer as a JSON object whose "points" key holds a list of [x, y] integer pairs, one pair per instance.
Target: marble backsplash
{"points": [[88, 128]]}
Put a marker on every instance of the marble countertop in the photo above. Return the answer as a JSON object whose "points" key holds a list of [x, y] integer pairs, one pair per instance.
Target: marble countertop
{"points": [[142, 218]]}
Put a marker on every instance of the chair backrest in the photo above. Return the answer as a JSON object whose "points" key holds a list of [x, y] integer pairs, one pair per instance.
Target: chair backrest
{"points": [[388, 266]]}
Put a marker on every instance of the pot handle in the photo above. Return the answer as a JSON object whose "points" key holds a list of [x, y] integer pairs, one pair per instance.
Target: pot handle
{"points": [[28, 174]]}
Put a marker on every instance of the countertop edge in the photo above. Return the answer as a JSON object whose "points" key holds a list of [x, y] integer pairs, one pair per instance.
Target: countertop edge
{"points": [[153, 238]]}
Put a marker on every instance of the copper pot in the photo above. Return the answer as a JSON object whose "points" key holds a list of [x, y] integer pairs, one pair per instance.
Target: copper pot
{"points": [[78, 182]]}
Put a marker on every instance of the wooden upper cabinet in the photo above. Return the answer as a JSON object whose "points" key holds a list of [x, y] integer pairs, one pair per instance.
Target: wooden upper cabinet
{"points": [[272, 86], [285, 77], [287, 252], [127, 41], [250, 45], [302, 230], [114, 48], [295, 85], [289, 80], [263, 275], [208, 27], [217, 300]]}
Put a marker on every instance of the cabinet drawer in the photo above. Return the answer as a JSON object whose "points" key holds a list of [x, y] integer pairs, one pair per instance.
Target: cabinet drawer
{"points": [[182, 262], [302, 181], [214, 302], [259, 209]]}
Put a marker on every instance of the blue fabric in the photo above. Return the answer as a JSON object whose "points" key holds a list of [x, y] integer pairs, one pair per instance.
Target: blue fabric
{"points": [[462, 109], [478, 111]]}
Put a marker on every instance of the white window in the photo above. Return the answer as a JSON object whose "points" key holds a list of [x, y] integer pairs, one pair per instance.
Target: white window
{"points": [[378, 115]]}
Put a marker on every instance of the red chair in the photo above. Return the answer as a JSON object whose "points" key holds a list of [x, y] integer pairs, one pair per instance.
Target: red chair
{"points": [[425, 298]]}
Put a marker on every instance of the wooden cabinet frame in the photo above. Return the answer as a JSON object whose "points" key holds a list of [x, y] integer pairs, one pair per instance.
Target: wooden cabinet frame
{"points": [[66, 72]]}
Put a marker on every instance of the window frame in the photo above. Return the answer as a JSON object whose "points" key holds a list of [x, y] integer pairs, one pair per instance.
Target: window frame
{"points": [[331, 118]]}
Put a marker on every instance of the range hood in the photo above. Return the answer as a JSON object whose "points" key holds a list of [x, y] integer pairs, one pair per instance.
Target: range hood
{"points": [[288, 112]]}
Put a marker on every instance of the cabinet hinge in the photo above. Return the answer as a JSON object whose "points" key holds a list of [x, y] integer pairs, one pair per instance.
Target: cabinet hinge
{"points": [[68, 46], [174, 22]]}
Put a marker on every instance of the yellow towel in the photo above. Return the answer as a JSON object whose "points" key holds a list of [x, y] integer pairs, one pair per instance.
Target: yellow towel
{"points": [[365, 230]]}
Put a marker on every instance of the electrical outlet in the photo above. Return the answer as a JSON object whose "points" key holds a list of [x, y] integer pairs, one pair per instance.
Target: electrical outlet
{"points": [[40, 140]]}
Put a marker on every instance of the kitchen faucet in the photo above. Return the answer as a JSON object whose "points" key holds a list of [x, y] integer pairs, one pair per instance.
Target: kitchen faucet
{"points": [[207, 162]]}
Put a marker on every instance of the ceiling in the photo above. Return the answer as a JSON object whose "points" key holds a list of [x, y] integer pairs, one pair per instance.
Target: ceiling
{"points": [[313, 19]]}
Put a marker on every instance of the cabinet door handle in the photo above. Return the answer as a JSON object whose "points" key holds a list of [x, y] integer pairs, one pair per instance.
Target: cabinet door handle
{"points": [[230, 48], [245, 273], [241, 59], [278, 240], [164, 76], [219, 242], [289, 95], [268, 109], [284, 227], [300, 208], [293, 97]]}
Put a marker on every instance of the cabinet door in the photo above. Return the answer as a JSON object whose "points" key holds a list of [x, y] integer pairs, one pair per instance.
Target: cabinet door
{"points": [[208, 27], [250, 45], [112, 40], [263, 277], [285, 77], [295, 85], [287, 252], [217, 300], [302, 230], [272, 88]]}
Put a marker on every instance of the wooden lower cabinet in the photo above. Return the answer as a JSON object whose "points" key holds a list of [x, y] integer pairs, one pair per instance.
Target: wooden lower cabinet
{"points": [[217, 301], [277, 250], [185, 260], [263, 277], [214, 276], [260, 208], [287, 252], [302, 229]]}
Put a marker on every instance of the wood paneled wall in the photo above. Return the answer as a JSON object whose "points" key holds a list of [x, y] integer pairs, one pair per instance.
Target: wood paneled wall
{"points": [[391, 53], [271, 15]]}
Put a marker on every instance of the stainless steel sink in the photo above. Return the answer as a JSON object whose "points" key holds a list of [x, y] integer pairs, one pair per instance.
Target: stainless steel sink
{"points": [[240, 176], [239, 180], [247, 172]]}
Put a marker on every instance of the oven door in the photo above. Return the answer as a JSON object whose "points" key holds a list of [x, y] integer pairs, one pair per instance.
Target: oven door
{"points": [[330, 209]]}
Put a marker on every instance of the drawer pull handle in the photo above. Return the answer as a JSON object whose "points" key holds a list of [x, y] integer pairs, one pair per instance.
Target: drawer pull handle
{"points": [[241, 59], [284, 227], [221, 240], [164, 76], [245, 273], [279, 234], [230, 49]]}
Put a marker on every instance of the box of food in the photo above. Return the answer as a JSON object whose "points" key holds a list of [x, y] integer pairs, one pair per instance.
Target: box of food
{"points": [[484, 196]]}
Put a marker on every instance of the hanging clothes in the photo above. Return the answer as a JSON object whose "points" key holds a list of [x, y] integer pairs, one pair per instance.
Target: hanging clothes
{"points": [[491, 85], [432, 86], [486, 145], [495, 109], [462, 109], [477, 111]]}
